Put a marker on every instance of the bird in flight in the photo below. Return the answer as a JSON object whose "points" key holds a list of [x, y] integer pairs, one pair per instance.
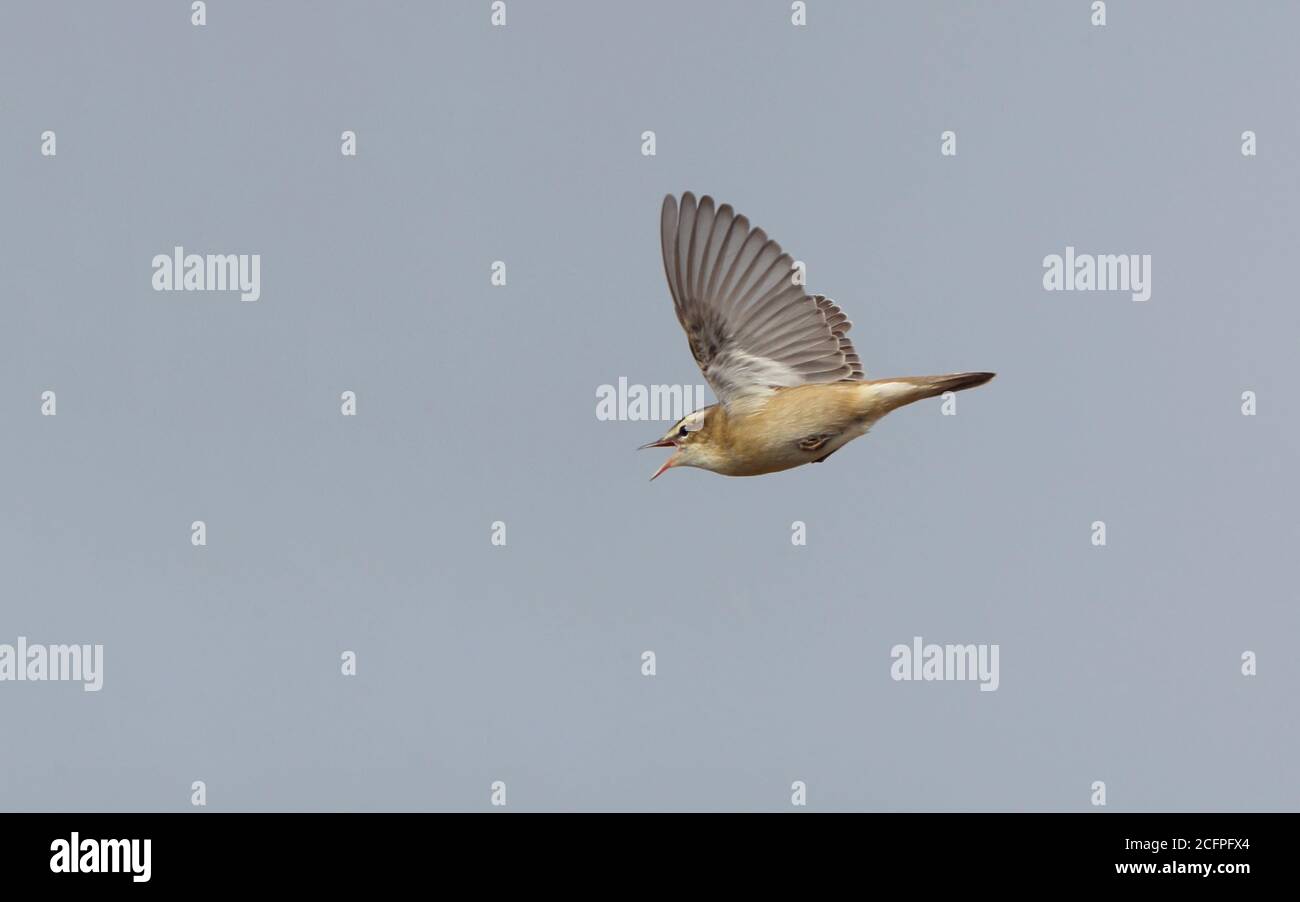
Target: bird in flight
{"points": [[790, 386]]}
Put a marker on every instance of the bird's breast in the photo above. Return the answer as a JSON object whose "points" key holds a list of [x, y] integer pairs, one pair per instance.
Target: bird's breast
{"points": [[795, 427]]}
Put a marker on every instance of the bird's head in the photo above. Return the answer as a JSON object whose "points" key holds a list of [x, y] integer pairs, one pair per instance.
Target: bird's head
{"points": [[693, 441]]}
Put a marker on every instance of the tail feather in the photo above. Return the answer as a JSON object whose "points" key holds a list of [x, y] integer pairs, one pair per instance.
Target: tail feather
{"points": [[937, 385], [891, 394]]}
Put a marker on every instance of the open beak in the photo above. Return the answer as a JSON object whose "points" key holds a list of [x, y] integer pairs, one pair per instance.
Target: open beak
{"points": [[670, 462]]}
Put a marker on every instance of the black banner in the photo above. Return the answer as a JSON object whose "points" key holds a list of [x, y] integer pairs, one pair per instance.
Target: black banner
{"points": [[333, 851]]}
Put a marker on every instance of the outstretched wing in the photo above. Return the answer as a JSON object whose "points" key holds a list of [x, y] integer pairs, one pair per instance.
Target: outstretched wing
{"points": [[751, 329]]}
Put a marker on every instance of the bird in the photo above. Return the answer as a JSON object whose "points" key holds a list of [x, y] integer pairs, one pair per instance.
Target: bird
{"points": [[790, 386]]}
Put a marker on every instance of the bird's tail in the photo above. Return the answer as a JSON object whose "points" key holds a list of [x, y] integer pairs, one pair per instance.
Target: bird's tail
{"points": [[930, 386], [895, 392]]}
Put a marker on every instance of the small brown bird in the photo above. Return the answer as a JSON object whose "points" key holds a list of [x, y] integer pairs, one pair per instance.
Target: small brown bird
{"points": [[790, 385]]}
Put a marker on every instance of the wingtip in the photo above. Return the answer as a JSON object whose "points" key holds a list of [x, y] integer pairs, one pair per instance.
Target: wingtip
{"points": [[687, 199]]}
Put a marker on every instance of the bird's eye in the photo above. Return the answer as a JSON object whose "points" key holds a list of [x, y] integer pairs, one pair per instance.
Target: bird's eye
{"points": [[681, 433]]}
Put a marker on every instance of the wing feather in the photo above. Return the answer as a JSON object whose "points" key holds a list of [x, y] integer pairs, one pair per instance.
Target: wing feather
{"points": [[750, 328]]}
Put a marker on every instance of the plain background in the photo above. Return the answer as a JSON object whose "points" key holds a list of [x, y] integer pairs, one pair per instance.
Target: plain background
{"points": [[479, 663]]}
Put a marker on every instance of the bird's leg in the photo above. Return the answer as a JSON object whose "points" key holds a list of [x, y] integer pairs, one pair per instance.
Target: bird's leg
{"points": [[816, 442]]}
